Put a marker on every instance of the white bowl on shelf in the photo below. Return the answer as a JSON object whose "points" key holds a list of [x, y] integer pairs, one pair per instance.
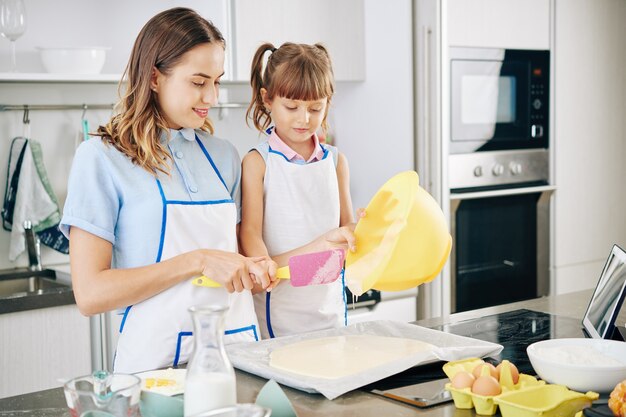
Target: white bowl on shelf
{"points": [[580, 364], [74, 60]]}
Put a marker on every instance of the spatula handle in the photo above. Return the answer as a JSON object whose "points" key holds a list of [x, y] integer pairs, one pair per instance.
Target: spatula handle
{"points": [[205, 282], [202, 281]]}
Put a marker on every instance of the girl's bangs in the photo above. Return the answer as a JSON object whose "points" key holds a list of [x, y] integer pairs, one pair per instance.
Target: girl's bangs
{"points": [[305, 84]]}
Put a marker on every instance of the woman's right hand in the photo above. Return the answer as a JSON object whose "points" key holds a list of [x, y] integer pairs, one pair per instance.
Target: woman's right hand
{"points": [[233, 271]]}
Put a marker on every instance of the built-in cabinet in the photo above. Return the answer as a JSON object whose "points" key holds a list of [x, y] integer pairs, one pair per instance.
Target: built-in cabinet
{"points": [[513, 24], [245, 24], [590, 138], [339, 25], [588, 103], [588, 144], [589, 129], [40, 349]]}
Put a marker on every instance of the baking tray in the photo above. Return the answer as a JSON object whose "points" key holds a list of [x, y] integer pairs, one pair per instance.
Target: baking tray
{"points": [[253, 357]]}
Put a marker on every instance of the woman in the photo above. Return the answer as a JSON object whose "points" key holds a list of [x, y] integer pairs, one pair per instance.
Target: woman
{"points": [[153, 201]]}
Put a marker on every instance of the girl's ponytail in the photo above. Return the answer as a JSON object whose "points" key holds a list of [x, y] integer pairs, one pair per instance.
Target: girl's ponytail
{"points": [[256, 111]]}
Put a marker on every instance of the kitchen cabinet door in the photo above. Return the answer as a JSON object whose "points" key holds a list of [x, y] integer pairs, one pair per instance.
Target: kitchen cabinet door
{"points": [[590, 139], [498, 23], [336, 24], [114, 24], [39, 349]]}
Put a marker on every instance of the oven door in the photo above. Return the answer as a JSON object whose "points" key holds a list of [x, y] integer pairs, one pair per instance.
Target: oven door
{"points": [[501, 251], [498, 99]]}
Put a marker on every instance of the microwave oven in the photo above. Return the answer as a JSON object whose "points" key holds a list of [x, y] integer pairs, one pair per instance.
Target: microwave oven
{"points": [[499, 99]]}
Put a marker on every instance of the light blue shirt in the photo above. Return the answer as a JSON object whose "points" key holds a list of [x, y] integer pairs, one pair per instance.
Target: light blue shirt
{"points": [[118, 201]]}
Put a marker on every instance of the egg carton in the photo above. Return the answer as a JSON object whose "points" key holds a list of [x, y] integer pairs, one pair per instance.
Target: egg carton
{"points": [[529, 397]]}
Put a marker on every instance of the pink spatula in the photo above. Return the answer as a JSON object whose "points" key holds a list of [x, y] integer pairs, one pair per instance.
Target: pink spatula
{"points": [[308, 269], [313, 268]]}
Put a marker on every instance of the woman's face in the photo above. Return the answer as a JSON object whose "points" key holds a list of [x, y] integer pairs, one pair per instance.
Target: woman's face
{"points": [[186, 94]]}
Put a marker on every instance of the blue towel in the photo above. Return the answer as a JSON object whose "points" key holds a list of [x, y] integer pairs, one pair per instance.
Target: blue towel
{"points": [[29, 196]]}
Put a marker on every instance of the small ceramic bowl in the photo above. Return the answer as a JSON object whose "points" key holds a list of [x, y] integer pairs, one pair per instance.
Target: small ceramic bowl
{"points": [[162, 400], [239, 410], [83, 60], [152, 404]]}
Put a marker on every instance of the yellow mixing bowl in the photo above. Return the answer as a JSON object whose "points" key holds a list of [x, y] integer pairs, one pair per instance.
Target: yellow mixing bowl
{"points": [[403, 240]]}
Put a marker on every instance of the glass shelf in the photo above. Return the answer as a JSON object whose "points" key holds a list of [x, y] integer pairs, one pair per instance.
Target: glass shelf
{"points": [[44, 77], [32, 77]]}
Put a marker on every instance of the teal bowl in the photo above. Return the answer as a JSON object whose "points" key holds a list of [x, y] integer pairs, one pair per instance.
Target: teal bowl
{"points": [[152, 404]]}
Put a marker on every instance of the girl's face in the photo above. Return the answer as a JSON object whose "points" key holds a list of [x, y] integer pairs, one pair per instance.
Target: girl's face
{"points": [[296, 120], [192, 87]]}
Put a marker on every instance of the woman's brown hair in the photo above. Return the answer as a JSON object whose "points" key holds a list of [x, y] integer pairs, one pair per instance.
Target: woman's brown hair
{"points": [[137, 128], [294, 71]]}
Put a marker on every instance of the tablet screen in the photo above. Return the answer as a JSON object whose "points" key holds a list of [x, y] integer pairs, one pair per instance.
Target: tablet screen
{"points": [[608, 296]]}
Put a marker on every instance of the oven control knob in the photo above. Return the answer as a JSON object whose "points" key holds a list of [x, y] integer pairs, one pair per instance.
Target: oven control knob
{"points": [[478, 171], [515, 168], [497, 170]]}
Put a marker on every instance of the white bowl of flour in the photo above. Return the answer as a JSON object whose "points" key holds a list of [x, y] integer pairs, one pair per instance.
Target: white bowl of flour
{"points": [[580, 364]]}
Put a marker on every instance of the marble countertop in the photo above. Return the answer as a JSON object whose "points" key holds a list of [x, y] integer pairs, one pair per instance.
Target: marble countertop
{"points": [[51, 403]]}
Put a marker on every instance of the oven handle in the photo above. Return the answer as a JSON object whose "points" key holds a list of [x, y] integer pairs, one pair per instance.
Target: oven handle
{"points": [[500, 193]]}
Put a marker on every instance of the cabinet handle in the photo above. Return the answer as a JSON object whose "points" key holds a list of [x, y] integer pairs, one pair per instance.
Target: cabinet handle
{"points": [[501, 193], [427, 102]]}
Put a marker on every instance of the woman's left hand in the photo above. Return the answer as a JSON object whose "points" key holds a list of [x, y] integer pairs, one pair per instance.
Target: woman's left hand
{"points": [[271, 267]]}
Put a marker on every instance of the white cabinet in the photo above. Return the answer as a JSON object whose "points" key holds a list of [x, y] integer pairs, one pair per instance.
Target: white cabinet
{"points": [[402, 309], [589, 138], [339, 25], [498, 23], [114, 24], [41, 348], [245, 24], [398, 306]]}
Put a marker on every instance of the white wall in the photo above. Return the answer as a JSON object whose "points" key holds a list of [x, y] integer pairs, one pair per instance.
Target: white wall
{"points": [[372, 120]]}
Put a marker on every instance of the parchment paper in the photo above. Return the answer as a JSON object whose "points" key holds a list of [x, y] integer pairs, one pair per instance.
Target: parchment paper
{"points": [[254, 357]]}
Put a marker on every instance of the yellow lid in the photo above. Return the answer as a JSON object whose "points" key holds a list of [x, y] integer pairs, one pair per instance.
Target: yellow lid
{"points": [[403, 240]]}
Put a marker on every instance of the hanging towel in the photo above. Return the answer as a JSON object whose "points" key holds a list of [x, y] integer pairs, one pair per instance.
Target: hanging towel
{"points": [[29, 196]]}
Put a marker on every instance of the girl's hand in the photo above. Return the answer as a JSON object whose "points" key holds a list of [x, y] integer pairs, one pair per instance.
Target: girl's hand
{"points": [[234, 271], [341, 237], [271, 266]]}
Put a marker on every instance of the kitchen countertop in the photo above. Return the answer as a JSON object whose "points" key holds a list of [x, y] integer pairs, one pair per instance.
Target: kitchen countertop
{"points": [[51, 403]]}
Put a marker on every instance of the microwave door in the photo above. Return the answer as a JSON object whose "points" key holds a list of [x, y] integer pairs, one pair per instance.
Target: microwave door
{"points": [[488, 100], [474, 99]]}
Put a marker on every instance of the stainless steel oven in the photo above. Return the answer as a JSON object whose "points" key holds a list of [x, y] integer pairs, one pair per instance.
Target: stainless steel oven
{"points": [[499, 175], [499, 208], [499, 99]]}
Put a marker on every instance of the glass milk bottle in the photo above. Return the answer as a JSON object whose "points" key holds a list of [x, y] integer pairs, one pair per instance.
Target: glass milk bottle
{"points": [[210, 381]]}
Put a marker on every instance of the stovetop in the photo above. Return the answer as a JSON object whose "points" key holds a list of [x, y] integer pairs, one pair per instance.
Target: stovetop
{"points": [[514, 330]]}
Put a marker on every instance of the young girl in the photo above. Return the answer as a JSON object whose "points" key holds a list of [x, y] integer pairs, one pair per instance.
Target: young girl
{"points": [[295, 192], [153, 201]]}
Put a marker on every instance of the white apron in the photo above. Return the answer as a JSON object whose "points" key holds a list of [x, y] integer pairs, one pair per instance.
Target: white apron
{"points": [[301, 202], [157, 332]]}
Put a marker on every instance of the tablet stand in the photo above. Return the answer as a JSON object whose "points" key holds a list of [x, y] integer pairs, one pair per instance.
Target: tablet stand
{"points": [[618, 333]]}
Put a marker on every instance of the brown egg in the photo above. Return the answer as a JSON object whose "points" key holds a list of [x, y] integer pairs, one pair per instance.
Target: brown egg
{"points": [[492, 370], [486, 385], [462, 380], [513, 368]]}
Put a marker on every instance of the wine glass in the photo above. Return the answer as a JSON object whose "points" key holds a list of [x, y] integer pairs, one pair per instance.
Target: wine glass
{"points": [[12, 24]]}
